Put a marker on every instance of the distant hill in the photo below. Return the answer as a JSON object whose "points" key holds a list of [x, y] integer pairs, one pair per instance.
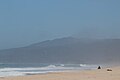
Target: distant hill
{"points": [[65, 50]]}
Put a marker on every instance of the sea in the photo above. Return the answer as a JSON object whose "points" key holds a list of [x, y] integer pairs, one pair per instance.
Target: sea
{"points": [[23, 69]]}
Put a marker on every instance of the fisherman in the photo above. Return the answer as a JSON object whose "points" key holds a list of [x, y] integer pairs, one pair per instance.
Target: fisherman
{"points": [[99, 67]]}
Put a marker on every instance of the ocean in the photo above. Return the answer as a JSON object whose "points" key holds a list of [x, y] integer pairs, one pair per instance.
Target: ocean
{"points": [[22, 69]]}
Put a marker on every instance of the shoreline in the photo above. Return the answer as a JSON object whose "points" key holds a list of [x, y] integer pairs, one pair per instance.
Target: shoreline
{"points": [[101, 74], [43, 69]]}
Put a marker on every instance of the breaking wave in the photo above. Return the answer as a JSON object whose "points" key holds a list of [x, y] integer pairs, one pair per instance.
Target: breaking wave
{"points": [[22, 70]]}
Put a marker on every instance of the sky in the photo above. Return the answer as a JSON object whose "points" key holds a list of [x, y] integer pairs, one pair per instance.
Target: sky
{"points": [[24, 22]]}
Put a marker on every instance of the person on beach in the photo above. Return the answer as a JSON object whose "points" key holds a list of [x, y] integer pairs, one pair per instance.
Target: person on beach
{"points": [[99, 67]]}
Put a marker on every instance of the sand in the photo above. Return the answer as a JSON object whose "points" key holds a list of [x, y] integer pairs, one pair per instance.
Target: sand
{"points": [[101, 74]]}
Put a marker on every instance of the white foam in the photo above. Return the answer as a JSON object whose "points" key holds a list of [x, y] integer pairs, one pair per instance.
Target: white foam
{"points": [[11, 73], [51, 66], [5, 72], [83, 65]]}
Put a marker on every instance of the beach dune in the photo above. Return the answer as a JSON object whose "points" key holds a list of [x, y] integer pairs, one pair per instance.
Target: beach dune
{"points": [[101, 74]]}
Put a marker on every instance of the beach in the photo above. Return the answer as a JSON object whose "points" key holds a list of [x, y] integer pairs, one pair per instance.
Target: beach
{"points": [[101, 74]]}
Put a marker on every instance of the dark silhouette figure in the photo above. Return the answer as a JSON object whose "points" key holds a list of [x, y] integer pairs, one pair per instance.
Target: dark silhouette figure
{"points": [[109, 69], [99, 67]]}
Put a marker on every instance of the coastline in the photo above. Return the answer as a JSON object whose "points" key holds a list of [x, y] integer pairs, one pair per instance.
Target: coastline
{"points": [[101, 74]]}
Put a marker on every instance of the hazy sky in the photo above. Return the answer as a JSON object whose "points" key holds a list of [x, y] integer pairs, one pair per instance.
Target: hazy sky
{"points": [[23, 22]]}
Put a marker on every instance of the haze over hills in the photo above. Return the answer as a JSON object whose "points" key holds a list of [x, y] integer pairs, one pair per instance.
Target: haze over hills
{"points": [[65, 50]]}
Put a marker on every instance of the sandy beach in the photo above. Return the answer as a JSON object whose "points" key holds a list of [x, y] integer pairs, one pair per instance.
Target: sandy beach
{"points": [[101, 74]]}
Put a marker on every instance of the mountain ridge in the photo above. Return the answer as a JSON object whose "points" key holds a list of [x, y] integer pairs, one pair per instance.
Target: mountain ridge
{"points": [[65, 50]]}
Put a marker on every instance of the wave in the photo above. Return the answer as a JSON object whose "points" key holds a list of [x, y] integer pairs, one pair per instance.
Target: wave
{"points": [[21, 71], [83, 65]]}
